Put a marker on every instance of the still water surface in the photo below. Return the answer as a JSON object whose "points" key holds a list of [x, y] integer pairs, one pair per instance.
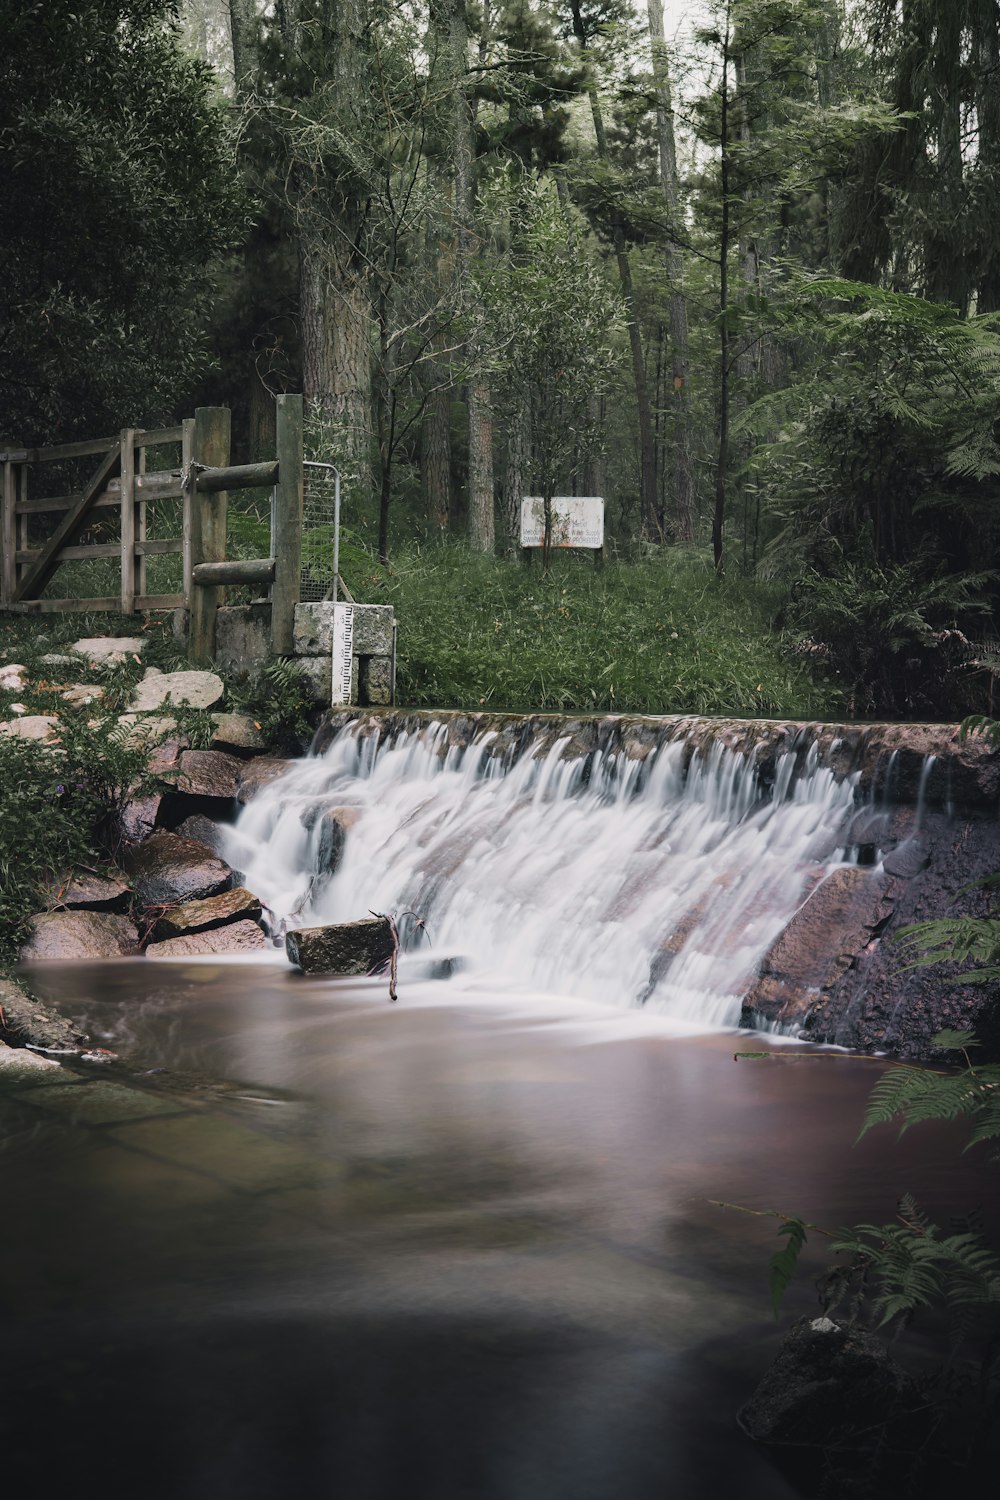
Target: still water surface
{"points": [[460, 1246]]}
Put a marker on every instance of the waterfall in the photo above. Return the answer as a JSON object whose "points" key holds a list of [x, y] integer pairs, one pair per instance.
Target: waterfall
{"points": [[659, 881]]}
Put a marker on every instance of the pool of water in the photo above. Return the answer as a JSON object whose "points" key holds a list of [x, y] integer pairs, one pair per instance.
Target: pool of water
{"points": [[459, 1246]]}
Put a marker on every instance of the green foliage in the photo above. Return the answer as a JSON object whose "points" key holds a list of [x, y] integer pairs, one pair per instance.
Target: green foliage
{"points": [[781, 1266], [119, 192], [913, 1095], [956, 940], [662, 635], [912, 1264], [275, 696], [58, 812]]}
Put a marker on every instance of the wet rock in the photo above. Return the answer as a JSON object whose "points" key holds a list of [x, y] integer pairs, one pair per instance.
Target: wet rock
{"points": [[822, 939], [25, 1021], [168, 870], [332, 828], [31, 727], [109, 650], [908, 858], [90, 892], [209, 773], [237, 937], [341, 949], [260, 773], [196, 689], [235, 905], [137, 819], [834, 1387], [76, 935], [237, 732], [165, 758], [204, 831], [15, 1061]]}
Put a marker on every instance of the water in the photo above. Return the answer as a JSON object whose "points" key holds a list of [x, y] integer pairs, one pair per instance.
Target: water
{"points": [[624, 881], [459, 1246], [465, 1245]]}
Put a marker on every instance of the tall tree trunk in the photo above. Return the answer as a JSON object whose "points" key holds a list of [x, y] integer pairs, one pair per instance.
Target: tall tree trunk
{"points": [[435, 452], [647, 453], [517, 463], [988, 111], [481, 522], [335, 310], [243, 34], [722, 461], [681, 470]]}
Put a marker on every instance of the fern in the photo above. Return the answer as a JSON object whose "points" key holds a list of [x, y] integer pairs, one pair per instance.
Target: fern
{"points": [[781, 1266], [912, 1265]]}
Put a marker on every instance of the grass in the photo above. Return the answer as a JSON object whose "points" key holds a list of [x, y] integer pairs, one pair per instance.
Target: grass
{"points": [[660, 636]]}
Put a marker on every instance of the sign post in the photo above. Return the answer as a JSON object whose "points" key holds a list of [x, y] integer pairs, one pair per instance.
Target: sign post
{"points": [[577, 521]]}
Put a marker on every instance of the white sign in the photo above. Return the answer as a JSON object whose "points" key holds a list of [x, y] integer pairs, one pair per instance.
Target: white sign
{"points": [[343, 649], [577, 521]]}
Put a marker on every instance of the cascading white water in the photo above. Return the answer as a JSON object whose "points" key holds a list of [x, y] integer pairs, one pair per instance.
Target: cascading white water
{"points": [[621, 880]]}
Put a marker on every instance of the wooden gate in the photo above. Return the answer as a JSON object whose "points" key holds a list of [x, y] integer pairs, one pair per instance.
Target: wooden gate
{"points": [[199, 475]]}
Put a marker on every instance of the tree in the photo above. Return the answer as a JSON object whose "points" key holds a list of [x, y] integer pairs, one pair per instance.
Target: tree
{"points": [[120, 196]]}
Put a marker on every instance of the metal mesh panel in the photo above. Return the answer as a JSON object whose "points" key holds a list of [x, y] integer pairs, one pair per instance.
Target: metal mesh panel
{"points": [[320, 521]]}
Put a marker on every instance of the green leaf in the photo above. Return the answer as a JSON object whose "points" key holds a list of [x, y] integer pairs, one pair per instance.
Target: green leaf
{"points": [[781, 1266]]}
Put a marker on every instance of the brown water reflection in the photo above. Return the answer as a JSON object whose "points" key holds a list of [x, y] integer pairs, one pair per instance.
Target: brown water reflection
{"points": [[460, 1246]]}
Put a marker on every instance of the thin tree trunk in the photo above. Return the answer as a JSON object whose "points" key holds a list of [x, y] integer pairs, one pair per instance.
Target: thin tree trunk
{"points": [[517, 445], [481, 522], [435, 453], [681, 469], [647, 461], [335, 310], [988, 111]]}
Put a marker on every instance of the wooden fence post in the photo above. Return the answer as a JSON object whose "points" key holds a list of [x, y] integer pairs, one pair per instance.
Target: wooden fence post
{"points": [[287, 540], [187, 505], [128, 521], [208, 526], [8, 536]]}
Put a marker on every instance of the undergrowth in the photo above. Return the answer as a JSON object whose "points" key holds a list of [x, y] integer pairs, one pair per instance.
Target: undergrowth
{"points": [[661, 635]]}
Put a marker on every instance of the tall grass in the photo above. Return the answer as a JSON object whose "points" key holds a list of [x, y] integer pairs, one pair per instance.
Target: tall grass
{"points": [[662, 635]]}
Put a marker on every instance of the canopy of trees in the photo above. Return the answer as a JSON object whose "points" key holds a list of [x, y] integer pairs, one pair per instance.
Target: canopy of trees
{"points": [[739, 275]]}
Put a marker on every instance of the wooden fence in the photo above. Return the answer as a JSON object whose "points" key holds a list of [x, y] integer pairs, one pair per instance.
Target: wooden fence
{"points": [[201, 479]]}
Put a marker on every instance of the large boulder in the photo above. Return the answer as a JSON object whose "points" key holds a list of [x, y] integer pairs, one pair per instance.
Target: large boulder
{"points": [[78, 935], [239, 733], [137, 819], [168, 870], [237, 937], [204, 831], [236, 905], [344, 948]]}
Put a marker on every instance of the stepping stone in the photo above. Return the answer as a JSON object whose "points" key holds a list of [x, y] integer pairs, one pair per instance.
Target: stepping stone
{"points": [[196, 689], [83, 694], [109, 650], [13, 678], [32, 727]]}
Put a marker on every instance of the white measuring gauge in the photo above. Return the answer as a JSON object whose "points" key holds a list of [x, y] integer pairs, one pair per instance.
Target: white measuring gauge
{"points": [[343, 650]]}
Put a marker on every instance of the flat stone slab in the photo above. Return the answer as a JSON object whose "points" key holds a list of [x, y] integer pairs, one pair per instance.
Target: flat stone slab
{"points": [[31, 727], [168, 870], [260, 773], [196, 689], [344, 948], [60, 936], [109, 650], [237, 732], [17, 1062], [237, 937], [209, 773], [60, 659], [13, 677], [91, 893], [236, 905]]}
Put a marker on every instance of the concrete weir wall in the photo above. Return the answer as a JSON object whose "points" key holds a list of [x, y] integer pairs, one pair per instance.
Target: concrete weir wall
{"points": [[242, 637]]}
